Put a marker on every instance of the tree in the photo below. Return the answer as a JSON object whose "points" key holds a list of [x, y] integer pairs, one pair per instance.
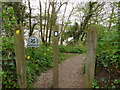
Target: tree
{"points": [[111, 16], [53, 19], [56, 6], [42, 38], [65, 24], [30, 25], [48, 22], [19, 10], [89, 12]]}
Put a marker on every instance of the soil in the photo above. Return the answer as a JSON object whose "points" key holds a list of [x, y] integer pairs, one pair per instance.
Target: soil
{"points": [[104, 74], [70, 74]]}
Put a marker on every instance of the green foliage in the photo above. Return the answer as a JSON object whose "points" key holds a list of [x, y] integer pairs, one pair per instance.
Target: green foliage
{"points": [[71, 49], [83, 68], [114, 84], [8, 63], [74, 32], [108, 52], [19, 11], [69, 22], [107, 49], [8, 55], [41, 59], [8, 21], [71, 31], [95, 84]]}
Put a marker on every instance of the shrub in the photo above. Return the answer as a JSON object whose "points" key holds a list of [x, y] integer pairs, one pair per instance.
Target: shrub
{"points": [[9, 76], [71, 49], [108, 53]]}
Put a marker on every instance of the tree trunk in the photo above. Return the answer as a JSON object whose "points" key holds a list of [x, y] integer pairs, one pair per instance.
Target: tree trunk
{"points": [[42, 38], [87, 18], [63, 24], [53, 20], [45, 18], [62, 39], [111, 16], [47, 26], [30, 10]]}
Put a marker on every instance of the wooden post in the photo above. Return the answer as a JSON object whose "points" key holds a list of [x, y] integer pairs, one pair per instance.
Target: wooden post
{"points": [[91, 56], [20, 56], [55, 57]]}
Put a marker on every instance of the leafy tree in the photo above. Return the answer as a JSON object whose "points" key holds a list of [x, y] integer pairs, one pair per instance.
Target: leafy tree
{"points": [[73, 32]]}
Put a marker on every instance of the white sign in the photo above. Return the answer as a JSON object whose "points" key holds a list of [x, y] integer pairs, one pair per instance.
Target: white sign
{"points": [[33, 42], [56, 33]]}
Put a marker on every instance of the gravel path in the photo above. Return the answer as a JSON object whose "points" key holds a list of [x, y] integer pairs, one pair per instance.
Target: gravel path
{"points": [[70, 74]]}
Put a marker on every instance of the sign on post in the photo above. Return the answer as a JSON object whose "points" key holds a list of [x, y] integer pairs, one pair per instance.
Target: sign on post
{"points": [[55, 57], [33, 42], [20, 56], [91, 56], [55, 33]]}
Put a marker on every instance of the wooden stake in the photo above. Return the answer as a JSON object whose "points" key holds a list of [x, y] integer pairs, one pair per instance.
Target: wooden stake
{"points": [[91, 56], [20, 56], [55, 58]]}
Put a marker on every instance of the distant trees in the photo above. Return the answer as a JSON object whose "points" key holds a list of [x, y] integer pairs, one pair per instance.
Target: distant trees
{"points": [[48, 18], [31, 18], [89, 13], [41, 22], [63, 33], [84, 13], [73, 32]]}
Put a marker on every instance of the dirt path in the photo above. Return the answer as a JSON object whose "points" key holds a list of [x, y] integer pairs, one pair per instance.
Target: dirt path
{"points": [[70, 74]]}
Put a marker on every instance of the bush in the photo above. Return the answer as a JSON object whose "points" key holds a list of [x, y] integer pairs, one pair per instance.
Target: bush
{"points": [[9, 76], [108, 53], [8, 55], [107, 50], [71, 49]]}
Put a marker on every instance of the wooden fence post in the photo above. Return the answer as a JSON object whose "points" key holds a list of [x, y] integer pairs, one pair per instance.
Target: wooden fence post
{"points": [[91, 56], [55, 57], [20, 56]]}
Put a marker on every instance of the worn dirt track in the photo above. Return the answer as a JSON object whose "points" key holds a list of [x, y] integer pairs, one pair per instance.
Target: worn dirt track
{"points": [[70, 74]]}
